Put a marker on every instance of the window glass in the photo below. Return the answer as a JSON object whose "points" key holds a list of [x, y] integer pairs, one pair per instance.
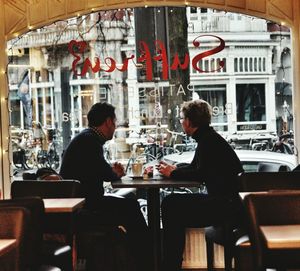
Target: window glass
{"points": [[56, 73], [250, 166], [193, 10], [250, 100], [241, 65], [246, 64], [236, 65]]}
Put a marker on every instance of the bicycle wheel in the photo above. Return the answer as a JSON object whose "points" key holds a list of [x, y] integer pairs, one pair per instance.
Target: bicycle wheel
{"points": [[143, 208], [17, 160], [42, 160], [30, 159], [53, 159]]}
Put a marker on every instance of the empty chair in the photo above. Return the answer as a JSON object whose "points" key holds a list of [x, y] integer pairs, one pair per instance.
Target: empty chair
{"points": [[13, 225], [276, 208], [54, 223], [255, 182], [265, 181], [31, 255], [228, 235], [104, 247], [46, 189]]}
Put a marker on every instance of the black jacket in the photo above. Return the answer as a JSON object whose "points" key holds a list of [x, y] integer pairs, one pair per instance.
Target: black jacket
{"points": [[215, 163], [83, 160]]}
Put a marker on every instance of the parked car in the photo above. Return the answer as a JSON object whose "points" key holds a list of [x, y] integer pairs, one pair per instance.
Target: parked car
{"points": [[251, 160]]}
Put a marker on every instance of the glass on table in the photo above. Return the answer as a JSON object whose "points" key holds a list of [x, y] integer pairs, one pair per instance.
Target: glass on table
{"points": [[137, 169]]}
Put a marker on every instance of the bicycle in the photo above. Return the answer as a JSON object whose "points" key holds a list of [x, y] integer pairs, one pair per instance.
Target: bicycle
{"points": [[285, 144], [188, 144]]}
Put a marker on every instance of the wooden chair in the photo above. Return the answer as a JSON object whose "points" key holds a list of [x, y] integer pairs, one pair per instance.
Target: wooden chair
{"points": [[46, 189], [13, 225], [103, 247], [255, 182], [276, 208], [32, 257], [53, 223], [265, 181], [228, 235]]}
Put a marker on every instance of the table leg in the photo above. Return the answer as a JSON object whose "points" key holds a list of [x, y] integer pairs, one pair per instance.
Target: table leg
{"points": [[74, 252], [153, 205]]}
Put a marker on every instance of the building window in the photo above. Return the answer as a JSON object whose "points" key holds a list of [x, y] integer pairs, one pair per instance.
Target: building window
{"points": [[235, 64], [251, 104], [213, 64], [259, 64], [224, 67], [246, 64], [193, 10], [241, 65]]}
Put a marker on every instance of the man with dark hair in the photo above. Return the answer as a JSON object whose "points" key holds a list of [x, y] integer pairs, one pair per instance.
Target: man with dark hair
{"points": [[216, 164], [83, 160]]}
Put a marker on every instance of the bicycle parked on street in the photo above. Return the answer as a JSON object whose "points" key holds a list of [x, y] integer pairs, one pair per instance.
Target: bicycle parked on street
{"points": [[265, 142], [29, 154]]}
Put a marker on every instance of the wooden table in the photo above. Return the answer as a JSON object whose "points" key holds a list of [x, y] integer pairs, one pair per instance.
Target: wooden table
{"points": [[6, 245], [152, 186], [63, 205], [244, 194], [281, 236]]}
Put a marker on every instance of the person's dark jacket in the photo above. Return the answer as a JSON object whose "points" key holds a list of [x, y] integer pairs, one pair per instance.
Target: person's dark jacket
{"points": [[83, 160], [215, 163]]}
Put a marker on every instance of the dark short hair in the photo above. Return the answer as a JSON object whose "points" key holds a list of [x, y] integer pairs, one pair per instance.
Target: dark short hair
{"points": [[40, 174], [44, 171], [99, 112], [198, 112]]}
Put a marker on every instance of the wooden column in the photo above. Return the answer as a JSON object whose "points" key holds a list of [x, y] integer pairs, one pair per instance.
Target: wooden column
{"points": [[5, 154]]}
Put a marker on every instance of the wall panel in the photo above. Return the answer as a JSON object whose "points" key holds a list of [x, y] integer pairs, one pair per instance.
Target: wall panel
{"points": [[259, 6], [55, 8], [37, 12], [43, 12]]}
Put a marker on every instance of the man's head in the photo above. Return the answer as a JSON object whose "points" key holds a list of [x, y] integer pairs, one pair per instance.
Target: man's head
{"points": [[102, 116], [195, 114]]}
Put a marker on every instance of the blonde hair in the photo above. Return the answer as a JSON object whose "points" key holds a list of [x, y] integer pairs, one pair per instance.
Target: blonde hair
{"points": [[198, 112]]}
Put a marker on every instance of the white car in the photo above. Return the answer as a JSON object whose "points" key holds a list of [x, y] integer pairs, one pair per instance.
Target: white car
{"points": [[251, 160]]}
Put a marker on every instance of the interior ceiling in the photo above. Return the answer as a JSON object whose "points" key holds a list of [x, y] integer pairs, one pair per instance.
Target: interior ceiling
{"points": [[24, 15]]}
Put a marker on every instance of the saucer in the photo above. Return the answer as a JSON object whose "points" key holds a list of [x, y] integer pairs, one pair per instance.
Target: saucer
{"points": [[135, 177]]}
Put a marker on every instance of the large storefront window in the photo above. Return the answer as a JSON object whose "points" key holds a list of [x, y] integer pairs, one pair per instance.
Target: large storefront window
{"points": [[239, 64]]}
